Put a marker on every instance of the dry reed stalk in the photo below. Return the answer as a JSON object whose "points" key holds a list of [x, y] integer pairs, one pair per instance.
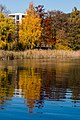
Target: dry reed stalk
{"points": [[38, 54]]}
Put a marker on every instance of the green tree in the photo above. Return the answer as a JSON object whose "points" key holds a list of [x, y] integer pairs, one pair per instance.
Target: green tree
{"points": [[74, 29]]}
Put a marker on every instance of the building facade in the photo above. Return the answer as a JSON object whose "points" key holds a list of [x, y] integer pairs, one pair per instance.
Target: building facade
{"points": [[17, 17]]}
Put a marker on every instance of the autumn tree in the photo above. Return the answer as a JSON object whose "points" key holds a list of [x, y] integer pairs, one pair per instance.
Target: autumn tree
{"points": [[41, 12], [42, 15], [7, 31], [56, 25], [30, 29]]}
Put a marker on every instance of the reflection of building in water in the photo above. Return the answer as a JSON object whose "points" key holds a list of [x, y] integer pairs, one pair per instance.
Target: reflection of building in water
{"points": [[18, 93]]}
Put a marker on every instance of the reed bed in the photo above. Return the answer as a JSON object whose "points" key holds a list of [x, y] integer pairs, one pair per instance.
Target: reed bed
{"points": [[38, 54]]}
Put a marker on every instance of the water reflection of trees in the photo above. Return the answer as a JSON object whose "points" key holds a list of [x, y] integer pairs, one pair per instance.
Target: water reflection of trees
{"points": [[53, 82], [6, 87], [30, 83], [65, 76], [58, 78], [74, 82], [40, 82]]}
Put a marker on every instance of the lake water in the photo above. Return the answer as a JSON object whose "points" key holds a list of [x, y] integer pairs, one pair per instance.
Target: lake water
{"points": [[40, 89]]}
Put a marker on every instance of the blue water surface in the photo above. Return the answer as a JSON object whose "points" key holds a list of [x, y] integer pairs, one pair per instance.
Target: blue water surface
{"points": [[40, 90]]}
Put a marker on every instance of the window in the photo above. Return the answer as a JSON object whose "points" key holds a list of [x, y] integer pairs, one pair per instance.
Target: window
{"points": [[17, 17]]}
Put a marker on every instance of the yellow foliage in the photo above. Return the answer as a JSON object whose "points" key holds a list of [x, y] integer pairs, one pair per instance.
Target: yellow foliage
{"points": [[62, 47], [6, 89], [30, 29], [7, 30], [30, 85]]}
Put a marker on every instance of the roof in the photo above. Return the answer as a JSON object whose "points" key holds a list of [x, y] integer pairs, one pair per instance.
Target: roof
{"points": [[16, 14]]}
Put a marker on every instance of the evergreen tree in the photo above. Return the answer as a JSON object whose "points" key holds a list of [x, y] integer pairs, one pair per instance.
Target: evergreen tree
{"points": [[74, 29]]}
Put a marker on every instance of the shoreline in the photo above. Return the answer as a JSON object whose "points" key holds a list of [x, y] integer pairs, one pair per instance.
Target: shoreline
{"points": [[39, 54]]}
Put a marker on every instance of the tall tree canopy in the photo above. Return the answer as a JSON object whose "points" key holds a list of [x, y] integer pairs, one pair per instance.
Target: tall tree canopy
{"points": [[30, 29], [7, 31], [54, 29], [74, 29]]}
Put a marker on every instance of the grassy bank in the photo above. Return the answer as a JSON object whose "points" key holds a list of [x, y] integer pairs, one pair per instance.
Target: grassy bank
{"points": [[38, 54]]}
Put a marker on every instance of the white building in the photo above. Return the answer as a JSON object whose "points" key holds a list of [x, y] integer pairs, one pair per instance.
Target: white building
{"points": [[17, 17]]}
